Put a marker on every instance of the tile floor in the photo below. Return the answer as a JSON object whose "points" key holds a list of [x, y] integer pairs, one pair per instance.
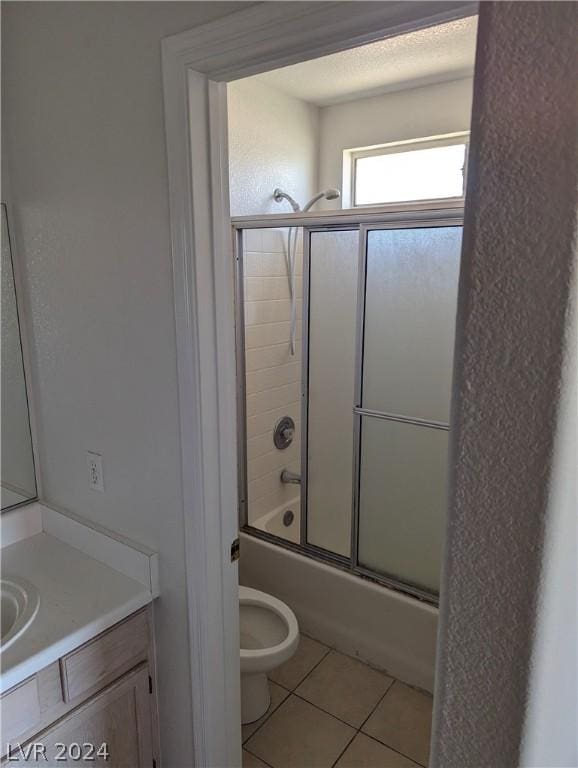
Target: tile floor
{"points": [[329, 710]]}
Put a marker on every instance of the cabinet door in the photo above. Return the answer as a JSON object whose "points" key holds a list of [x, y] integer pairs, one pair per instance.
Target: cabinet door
{"points": [[118, 718]]}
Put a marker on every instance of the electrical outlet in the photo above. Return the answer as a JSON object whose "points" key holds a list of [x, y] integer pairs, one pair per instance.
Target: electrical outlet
{"points": [[95, 474]]}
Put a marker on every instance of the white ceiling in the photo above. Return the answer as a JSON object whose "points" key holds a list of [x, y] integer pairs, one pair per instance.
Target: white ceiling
{"points": [[436, 54]]}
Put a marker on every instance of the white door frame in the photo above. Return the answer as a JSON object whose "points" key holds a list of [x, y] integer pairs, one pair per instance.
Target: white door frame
{"points": [[196, 66]]}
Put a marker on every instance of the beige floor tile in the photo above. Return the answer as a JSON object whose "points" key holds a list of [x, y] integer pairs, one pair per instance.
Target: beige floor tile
{"points": [[403, 721], [298, 735], [278, 695], [344, 687], [250, 761], [309, 653], [364, 752]]}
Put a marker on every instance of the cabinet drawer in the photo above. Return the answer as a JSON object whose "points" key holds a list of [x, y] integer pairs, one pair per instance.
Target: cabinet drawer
{"points": [[107, 657], [20, 711]]}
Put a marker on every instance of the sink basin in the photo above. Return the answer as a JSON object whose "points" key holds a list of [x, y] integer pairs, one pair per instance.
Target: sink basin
{"points": [[19, 603]]}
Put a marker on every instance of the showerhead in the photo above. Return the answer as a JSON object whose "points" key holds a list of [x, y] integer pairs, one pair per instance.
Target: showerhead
{"points": [[328, 194]]}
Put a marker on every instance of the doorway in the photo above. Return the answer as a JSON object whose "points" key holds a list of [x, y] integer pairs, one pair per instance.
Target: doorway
{"points": [[195, 66]]}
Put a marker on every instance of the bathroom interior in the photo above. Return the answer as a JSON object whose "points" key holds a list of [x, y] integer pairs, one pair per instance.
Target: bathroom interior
{"points": [[124, 588], [347, 179]]}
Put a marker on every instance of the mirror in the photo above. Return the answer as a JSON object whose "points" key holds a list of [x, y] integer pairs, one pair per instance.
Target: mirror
{"points": [[18, 481]]}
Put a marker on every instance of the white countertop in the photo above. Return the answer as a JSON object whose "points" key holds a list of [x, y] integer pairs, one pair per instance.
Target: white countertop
{"points": [[79, 598]]}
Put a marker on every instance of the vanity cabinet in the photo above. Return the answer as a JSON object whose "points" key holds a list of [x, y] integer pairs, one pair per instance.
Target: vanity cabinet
{"points": [[94, 706]]}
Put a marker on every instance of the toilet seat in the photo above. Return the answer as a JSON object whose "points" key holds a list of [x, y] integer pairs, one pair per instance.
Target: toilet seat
{"points": [[273, 626], [278, 651]]}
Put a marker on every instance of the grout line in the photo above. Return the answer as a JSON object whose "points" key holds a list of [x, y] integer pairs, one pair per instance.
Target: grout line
{"points": [[257, 756], [393, 749], [279, 408], [387, 690], [270, 346], [344, 750], [356, 730], [273, 389], [267, 714], [259, 301], [275, 322], [268, 277], [335, 717], [327, 652], [313, 668], [274, 367]]}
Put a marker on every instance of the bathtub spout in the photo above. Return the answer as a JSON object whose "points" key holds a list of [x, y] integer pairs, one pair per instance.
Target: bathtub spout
{"points": [[290, 477]]}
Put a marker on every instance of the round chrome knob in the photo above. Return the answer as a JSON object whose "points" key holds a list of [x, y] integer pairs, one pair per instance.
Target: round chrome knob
{"points": [[284, 433]]}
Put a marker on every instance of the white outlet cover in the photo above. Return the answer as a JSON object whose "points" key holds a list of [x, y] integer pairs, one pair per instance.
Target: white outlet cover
{"points": [[95, 473]]}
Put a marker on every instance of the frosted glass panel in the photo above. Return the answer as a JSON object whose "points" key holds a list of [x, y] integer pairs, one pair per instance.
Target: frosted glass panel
{"points": [[402, 500], [411, 296], [332, 314]]}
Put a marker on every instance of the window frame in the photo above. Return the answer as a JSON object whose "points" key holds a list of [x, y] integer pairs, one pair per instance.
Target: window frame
{"points": [[398, 147]]}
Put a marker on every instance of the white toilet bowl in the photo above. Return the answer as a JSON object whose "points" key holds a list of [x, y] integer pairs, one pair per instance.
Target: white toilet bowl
{"points": [[269, 636]]}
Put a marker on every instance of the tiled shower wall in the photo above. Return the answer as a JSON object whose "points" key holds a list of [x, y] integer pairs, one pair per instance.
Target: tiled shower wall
{"points": [[273, 375]]}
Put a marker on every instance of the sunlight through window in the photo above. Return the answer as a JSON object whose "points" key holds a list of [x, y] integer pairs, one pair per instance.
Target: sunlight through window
{"points": [[405, 174]]}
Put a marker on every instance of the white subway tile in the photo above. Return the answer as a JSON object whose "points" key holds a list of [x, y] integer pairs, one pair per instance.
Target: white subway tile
{"points": [[274, 240], [269, 357], [267, 334], [272, 461], [252, 240], [267, 311], [264, 265], [259, 445], [266, 288], [258, 381], [273, 398]]}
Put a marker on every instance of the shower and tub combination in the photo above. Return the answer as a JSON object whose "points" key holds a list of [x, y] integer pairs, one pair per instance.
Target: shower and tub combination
{"points": [[345, 336]]}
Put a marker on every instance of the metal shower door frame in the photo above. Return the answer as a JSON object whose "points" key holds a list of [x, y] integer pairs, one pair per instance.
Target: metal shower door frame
{"points": [[388, 217], [359, 412]]}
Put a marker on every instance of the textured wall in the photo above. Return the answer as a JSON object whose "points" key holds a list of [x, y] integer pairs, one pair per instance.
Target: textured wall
{"points": [[273, 141], [518, 254], [82, 119]]}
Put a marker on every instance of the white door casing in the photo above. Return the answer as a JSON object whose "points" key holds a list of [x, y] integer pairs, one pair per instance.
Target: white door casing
{"points": [[196, 66]]}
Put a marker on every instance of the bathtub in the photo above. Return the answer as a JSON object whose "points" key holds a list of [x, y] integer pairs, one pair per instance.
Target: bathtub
{"points": [[384, 628], [272, 522]]}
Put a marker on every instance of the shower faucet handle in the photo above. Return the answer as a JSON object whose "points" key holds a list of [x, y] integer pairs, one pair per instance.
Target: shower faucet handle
{"points": [[284, 433]]}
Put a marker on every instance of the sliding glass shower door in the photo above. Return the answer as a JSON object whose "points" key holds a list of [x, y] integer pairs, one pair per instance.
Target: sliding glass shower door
{"points": [[407, 336], [345, 451]]}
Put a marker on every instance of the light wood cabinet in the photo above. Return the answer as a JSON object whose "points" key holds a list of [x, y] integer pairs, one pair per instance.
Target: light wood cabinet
{"points": [[95, 706], [111, 729]]}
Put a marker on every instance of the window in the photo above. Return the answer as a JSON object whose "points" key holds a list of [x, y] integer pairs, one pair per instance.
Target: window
{"points": [[410, 171]]}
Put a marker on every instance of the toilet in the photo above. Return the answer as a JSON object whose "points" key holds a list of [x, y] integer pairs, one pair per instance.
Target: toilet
{"points": [[269, 636]]}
